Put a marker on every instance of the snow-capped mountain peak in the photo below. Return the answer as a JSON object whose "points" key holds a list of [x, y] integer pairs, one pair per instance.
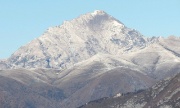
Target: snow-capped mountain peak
{"points": [[78, 40]]}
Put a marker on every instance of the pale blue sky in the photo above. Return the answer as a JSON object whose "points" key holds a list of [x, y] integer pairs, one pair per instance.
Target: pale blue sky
{"points": [[23, 20]]}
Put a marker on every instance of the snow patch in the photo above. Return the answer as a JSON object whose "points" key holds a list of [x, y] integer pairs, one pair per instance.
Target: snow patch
{"points": [[97, 12]]}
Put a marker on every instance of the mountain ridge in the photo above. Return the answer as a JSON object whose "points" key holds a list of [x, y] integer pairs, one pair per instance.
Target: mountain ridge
{"points": [[163, 94]]}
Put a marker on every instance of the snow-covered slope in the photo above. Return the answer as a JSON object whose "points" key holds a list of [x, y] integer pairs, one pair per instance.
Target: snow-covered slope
{"points": [[77, 40]]}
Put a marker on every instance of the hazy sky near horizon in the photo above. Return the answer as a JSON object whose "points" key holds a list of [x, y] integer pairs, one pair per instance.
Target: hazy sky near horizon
{"points": [[23, 20]]}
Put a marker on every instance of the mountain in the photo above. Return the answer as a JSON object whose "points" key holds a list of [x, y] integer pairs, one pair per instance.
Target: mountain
{"points": [[93, 80], [164, 94], [90, 57], [77, 40]]}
